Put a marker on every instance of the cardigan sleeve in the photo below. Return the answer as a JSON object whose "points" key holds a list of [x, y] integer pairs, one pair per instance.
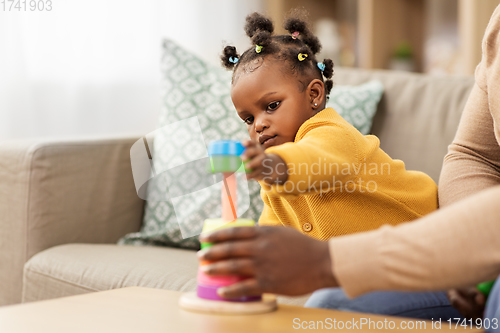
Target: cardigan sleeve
{"points": [[318, 162]]}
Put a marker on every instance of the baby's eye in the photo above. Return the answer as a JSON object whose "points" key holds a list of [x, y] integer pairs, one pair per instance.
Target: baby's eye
{"points": [[248, 120], [273, 106]]}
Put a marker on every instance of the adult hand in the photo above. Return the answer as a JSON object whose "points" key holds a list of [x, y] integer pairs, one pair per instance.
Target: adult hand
{"points": [[267, 167], [469, 302], [276, 259]]}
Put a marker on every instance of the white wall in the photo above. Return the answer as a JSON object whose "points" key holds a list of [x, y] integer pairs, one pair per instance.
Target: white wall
{"points": [[91, 67], [209, 25]]}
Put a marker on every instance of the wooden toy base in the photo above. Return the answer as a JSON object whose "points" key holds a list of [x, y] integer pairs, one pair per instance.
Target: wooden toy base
{"points": [[191, 302]]}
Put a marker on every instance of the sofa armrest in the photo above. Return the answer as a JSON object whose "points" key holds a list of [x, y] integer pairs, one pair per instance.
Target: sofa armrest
{"points": [[57, 192]]}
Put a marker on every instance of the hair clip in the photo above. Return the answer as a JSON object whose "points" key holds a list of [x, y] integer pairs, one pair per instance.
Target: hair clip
{"points": [[302, 56], [321, 66], [295, 34], [258, 48], [233, 60]]}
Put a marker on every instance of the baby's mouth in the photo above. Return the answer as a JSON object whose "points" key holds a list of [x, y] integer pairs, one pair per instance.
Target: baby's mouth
{"points": [[267, 140]]}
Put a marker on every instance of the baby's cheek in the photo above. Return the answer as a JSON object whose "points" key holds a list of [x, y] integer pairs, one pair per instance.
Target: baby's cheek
{"points": [[253, 135]]}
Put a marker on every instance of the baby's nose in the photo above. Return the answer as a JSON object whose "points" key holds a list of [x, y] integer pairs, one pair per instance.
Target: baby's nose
{"points": [[261, 125]]}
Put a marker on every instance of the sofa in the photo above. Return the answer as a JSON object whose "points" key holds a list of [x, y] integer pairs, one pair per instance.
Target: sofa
{"points": [[64, 203]]}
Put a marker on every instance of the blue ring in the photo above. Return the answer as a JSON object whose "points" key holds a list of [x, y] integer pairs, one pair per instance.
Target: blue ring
{"points": [[225, 147]]}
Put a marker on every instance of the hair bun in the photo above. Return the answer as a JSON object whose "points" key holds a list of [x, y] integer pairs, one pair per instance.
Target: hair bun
{"points": [[328, 71], [257, 22], [228, 53], [328, 86], [295, 24], [262, 38]]}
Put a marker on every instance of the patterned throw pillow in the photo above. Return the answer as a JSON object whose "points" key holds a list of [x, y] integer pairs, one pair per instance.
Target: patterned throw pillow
{"points": [[357, 104], [198, 109]]}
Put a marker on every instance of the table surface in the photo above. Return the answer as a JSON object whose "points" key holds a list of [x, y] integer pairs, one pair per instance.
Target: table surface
{"points": [[137, 309]]}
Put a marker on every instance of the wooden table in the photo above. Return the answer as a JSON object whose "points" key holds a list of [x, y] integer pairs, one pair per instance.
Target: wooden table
{"points": [[138, 310]]}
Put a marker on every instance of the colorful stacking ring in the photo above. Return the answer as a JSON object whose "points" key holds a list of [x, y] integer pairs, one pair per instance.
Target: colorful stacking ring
{"points": [[225, 147], [219, 281], [217, 224], [224, 163]]}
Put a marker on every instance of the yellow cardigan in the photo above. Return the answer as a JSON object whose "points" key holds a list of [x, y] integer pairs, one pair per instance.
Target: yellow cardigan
{"points": [[341, 182]]}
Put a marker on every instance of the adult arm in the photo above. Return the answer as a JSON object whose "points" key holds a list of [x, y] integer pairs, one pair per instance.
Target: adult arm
{"points": [[457, 246], [473, 160], [453, 247]]}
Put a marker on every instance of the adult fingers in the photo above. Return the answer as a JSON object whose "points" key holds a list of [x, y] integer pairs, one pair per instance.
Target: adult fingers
{"points": [[248, 287], [474, 295], [238, 266], [458, 301], [229, 234], [480, 299], [226, 250]]}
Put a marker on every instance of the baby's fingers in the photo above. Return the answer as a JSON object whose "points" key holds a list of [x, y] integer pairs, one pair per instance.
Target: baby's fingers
{"points": [[252, 148], [248, 143], [255, 163], [251, 152]]}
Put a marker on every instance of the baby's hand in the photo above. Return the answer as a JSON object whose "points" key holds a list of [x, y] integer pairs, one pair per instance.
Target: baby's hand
{"points": [[267, 167]]}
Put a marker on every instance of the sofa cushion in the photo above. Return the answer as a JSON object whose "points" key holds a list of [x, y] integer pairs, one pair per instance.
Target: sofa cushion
{"points": [[58, 191], [80, 268], [418, 115], [357, 104], [74, 269]]}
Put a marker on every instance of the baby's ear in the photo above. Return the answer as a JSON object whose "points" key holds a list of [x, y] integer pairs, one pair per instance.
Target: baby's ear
{"points": [[316, 91]]}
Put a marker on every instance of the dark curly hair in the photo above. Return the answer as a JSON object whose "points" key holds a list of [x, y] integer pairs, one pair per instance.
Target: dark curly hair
{"points": [[287, 48]]}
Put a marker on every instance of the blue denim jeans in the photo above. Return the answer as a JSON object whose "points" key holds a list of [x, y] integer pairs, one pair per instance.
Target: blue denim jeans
{"points": [[422, 305]]}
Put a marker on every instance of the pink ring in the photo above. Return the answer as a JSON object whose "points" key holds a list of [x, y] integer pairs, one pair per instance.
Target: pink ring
{"points": [[223, 280]]}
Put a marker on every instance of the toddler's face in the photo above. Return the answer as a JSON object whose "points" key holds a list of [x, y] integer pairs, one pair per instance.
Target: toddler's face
{"points": [[271, 104]]}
